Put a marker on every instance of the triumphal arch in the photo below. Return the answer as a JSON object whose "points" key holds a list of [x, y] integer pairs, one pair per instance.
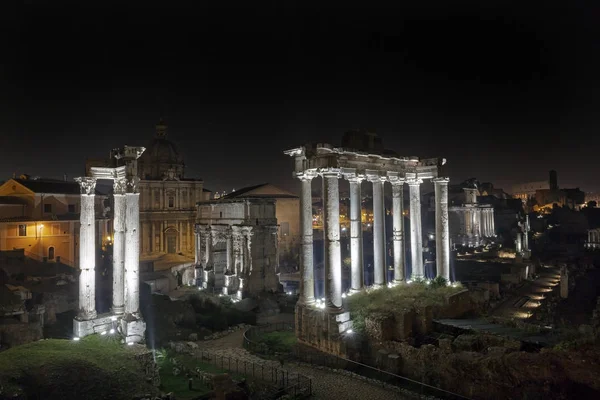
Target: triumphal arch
{"points": [[323, 324], [125, 317]]}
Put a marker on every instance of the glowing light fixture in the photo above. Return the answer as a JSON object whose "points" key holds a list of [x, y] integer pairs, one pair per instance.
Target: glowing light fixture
{"points": [[76, 338], [103, 333], [111, 331]]}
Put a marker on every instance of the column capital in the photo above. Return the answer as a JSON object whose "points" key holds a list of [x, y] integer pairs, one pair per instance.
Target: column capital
{"points": [[133, 185], [330, 172], [375, 176], [354, 178], [442, 180], [397, 181], [414, 181], [306, 175], [87, 185], [119, 186]]}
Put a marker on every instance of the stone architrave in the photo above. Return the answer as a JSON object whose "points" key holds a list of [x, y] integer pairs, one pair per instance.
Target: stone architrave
{"points": [[356, 237], [379, 259], [307, 281], [416, 239], [119, 194], [331, 229], [87, 250], [398, 230], [132, 249], [442, 233]]}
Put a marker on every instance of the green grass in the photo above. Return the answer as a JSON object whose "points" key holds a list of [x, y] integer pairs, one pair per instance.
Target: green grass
{"points": [[403, 297], [96, 367], [178, 384], [271, 343]]}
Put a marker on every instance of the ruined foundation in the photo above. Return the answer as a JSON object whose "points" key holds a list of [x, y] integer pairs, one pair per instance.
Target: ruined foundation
{"points": [[322, 330]]}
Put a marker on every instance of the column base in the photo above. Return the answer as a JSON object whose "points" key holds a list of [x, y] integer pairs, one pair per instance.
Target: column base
{"points": [[133, 328], [100, 324], [322, 330], [86, 315], [118, 310]]}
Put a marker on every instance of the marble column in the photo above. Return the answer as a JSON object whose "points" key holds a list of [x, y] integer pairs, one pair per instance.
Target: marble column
{"points": [[356, 237], [237, 249], [416, 239], [518, 243], [87, 250], [379, 267], [161, 246], [493, 224], [442, 234], [526, 234], [331, 229], [198, 246], [208, 249], [153, 240], [307, 280], [398, 231], [229, 251], [132, 254], [119, 194]]}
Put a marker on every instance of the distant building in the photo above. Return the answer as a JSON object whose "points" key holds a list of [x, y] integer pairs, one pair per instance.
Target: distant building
{"points": [[526, 191], [237, 246], [167, 198], [41, 216], [470, 222], [543, 195], [287, 212], [593, 197]]}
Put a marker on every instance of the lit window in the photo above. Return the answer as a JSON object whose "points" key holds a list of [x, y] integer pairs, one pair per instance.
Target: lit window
{"points": [[22, 230]]}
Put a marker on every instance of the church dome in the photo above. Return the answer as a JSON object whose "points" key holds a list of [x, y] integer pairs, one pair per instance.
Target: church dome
{"points": [[161, 158]]}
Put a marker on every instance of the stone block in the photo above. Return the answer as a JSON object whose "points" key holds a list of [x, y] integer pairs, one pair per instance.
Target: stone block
{"points": [[394, 364], [342, 317], [134, 330], [102, 323], [423, 321], [403, 324], [380, 327], [344, 326]]}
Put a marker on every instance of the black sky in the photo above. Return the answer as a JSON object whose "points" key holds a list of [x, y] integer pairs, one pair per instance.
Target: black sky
{"points": [[504, 90]]}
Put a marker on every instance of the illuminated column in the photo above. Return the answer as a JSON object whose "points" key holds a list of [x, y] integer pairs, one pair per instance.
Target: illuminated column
{"points": [[331, 229], [237, 249], [379, 269], [229, 251], [398, 230], [208, 249], [492, 222], [119, 191], [518, 243], [416, 240], [307, 281], [197, 245], [87, 250], [526, 235], [356, 240], [132, 253], [442, 235]]}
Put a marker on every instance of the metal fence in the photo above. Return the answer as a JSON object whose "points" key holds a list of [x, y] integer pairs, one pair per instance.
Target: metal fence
{"points": [[281, 381], [315, 357]]}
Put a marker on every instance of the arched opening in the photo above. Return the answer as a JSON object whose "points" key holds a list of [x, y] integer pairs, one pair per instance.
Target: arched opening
{"points": [[51, 253], [171, 240]]}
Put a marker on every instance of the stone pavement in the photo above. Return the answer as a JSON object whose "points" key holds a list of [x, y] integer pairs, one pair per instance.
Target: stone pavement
{"points": [[326, 383]]}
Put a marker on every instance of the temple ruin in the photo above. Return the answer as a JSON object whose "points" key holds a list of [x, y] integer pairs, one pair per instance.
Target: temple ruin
{"points": [[237, 247], [322, 325], [125, 314]]}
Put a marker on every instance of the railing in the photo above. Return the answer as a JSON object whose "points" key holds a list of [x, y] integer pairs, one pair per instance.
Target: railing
{"points": [[315, 357], [282, 381]]}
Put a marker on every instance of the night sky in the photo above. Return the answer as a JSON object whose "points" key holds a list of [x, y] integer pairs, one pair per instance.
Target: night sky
{"points": [[504, 92]]}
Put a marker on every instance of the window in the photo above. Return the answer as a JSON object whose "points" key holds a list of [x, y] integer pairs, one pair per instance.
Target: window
{"points": [[285, 228], [47, 208], [22, 230], [71, 208], [171, 201]]}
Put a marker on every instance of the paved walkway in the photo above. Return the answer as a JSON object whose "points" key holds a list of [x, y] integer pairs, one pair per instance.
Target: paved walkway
{"points": [[529, 296], [326, 384]]}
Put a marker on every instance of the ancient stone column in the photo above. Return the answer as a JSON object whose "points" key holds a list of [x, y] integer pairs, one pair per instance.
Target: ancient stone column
{"points": [[356, 239], [331, 229], [518, 243], [442, 234], [307, 279], [119, 194], [229, 251], [416, 239], [237, 249], [379, 269], [132, 253], [87, 250], [398, 231], [198, 246], [208, 249], [526, 234], [493, 224], [488, 222]]}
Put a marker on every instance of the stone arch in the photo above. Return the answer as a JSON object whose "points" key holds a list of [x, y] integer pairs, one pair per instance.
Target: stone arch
{"points": [[51, 253], [171, 239]]}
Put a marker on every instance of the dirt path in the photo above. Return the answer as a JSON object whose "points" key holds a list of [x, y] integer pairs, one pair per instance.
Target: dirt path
{"points": [[327, 385]]}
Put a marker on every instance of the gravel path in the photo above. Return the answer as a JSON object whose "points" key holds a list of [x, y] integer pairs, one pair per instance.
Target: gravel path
{"points": [[326, 384]]}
